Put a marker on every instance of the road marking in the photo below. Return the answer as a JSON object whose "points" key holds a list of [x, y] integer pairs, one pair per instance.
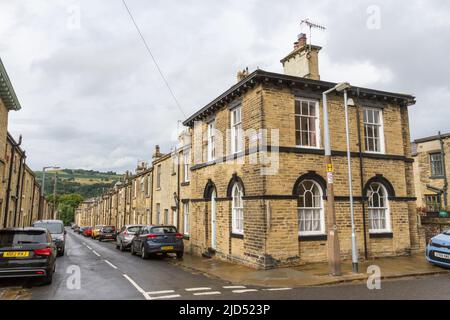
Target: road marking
{"points": [[89, 247], [113, 266], [208, 293], [197, 289], [135, 284], [234, 287], [164, 297], [95, 252], [277, 289], [160, 292], [244, 291]]}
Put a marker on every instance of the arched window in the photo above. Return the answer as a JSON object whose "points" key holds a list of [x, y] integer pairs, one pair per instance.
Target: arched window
{"points": [[379, 219], [311, 218], [237, 214]]}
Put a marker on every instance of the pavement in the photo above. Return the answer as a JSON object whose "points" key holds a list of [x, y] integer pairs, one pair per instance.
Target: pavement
{"points": [[93, 270], [312, 274]]}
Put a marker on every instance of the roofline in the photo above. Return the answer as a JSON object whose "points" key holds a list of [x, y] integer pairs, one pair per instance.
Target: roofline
{"points": [[260, 75], [7, 93], [431, 138]]}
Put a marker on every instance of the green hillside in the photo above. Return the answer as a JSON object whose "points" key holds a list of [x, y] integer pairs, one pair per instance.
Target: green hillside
{"points": [[88, 183]]}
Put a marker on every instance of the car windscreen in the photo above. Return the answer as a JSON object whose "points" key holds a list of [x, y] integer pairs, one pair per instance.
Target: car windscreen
{"points": [[52, 227], [164, 230], [10, 238], [134, 229], [108, 229]]}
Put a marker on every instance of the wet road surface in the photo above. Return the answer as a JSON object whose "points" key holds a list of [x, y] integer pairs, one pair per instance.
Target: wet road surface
{"points": [[97, 270]]}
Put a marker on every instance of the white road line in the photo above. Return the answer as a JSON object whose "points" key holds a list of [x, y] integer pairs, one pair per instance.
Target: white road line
{"points": [[89, 247], [244, 291], [277, 289], [197, 289], [137, 286], [113, 266], [208, 293], [164, 297], [95, 252], [234, 287], [160, 292]]}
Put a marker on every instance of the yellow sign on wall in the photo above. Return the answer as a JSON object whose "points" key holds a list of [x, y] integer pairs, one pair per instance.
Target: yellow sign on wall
{"points": [[330, 168]]}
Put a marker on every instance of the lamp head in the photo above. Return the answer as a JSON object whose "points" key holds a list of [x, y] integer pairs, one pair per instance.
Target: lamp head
{"points": [[342, 86]]}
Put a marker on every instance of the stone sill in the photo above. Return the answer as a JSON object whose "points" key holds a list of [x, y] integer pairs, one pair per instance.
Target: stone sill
{"points": [[313, 238], [386, 235]]}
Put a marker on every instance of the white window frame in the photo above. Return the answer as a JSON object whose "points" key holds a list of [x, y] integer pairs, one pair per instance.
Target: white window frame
{"points": [[186, 225], [142, 185], [186, 165], [317, 122], [387, 211], [237, 143], [380, 128], [322, 213], [158, 177], [237, 213], [211, 140]]}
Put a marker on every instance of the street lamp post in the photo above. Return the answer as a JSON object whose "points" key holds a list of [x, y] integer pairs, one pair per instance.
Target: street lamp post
{"points": [[355, 259], [43, 176], [334, 258]]}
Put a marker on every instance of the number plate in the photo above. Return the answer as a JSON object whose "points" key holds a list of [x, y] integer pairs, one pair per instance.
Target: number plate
{"points": [[442, 255], [166, 248], [13, 254]]}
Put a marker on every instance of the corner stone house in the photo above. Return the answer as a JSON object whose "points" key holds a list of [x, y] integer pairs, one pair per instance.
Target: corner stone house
{"points": [[20, 193], [250, 177]]}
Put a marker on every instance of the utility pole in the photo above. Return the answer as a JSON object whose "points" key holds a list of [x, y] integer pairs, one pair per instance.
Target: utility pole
{"points": [[334, 251], [54, 195], [445, 189]]}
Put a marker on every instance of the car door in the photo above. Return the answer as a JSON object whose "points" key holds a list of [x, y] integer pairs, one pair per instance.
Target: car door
{"points": [[142, 237], [136, 243]]}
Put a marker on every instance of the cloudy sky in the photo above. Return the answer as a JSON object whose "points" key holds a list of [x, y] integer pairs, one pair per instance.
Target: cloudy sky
{"points": [[92, 97]]}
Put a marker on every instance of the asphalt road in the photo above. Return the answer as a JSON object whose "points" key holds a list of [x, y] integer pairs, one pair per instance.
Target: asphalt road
{"points": [[106, 273]]}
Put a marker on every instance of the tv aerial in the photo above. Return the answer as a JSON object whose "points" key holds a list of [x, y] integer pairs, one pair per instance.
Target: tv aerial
{"points": [[311, 25]]}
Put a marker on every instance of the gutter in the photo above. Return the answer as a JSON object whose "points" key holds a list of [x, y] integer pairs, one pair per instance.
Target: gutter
{"points": [[7, 93]]}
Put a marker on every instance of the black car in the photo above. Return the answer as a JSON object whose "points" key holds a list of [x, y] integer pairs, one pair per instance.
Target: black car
{"points": [[157, 239], [27, 252]]}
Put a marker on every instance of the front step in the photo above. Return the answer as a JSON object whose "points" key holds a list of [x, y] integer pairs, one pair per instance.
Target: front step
{"points": [[209, 253]]}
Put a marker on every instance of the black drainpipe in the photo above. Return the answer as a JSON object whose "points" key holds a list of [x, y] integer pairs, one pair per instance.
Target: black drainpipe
{"points": [[445, 189], [361, 174], [19, 189], [8, 191]]}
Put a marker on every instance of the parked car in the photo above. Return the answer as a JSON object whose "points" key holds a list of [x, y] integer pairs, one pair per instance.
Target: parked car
{"points": [[76, 229], [438, 250], [73, 226], [56, 229], [81, 229], [96, 231], [126, 235], [107, 233], [87, 232], [157, 240], [27, 252]]}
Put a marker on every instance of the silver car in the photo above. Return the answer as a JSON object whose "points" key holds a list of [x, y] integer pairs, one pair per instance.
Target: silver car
{"points": [[126, 235]]}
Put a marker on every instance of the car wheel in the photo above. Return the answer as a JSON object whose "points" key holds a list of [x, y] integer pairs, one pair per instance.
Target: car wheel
{"points": [[144, 255], [61, 253], [117, 245], [180, 255], [122, 248], [100, 239], [48, 279], [132, 250]]}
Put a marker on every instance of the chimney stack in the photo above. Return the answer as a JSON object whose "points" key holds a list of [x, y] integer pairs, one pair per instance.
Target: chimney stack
{"points": [[303, 61], [241, 75], [157, 153]]}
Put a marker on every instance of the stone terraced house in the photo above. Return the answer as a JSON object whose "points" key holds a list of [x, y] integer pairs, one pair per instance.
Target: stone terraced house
{"points": [[20, 193], [247, 182]]}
